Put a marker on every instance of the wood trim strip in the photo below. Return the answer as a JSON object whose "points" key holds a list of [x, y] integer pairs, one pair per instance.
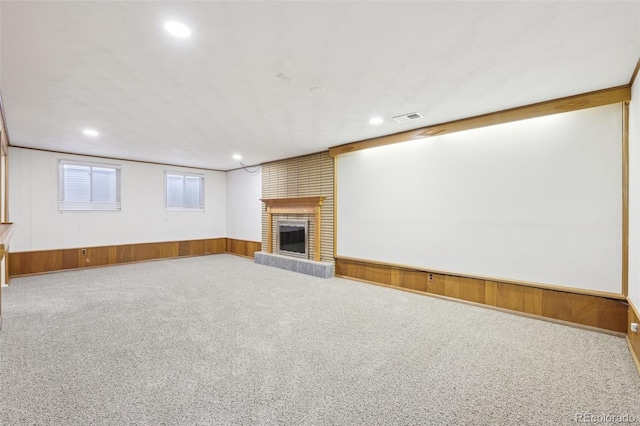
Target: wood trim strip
{"points": [[269, 230], [570, 103], [5, 170], [318, 232], [635, 74], [37, 262], [625, 198], [592, 311], [335, 207], [596, 293]]}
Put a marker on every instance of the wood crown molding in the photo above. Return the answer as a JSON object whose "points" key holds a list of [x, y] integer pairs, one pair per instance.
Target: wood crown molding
{"points": [[570, 103], [597, 293]]}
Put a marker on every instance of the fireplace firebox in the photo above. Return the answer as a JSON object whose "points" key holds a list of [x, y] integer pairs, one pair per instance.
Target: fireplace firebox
{"points": [[292, 237]]}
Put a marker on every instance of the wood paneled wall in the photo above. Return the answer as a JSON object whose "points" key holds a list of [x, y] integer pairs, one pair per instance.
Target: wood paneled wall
{"points": [[243, 248], [306, 176], [34, 262], [594, 311], [634, 338]]}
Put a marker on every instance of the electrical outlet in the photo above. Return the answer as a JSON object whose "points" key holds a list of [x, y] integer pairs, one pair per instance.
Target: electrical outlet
{"points": [[431, 277], [634, 327], [84, 252]]}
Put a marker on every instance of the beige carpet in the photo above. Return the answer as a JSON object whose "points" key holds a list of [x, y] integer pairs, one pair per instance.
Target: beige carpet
{"points": [[219, 340]]}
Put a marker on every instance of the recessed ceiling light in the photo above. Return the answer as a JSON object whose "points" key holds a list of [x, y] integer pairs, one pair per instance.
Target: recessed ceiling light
{"points": [[90, 132], [376, 120], [237, 157], [177, 29]]}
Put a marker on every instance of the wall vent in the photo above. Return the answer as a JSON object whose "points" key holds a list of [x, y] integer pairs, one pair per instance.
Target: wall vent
{"points": [[407, 117]]}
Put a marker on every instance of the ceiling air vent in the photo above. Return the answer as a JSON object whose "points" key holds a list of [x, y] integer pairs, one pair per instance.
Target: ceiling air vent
{"points": [[407, 117]]}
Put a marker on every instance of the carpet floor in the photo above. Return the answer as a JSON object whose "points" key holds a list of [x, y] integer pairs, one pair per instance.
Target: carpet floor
{"points": [[219, 340]]}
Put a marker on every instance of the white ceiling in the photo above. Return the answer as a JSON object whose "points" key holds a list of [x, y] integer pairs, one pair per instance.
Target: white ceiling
{"points": [[110, 66]]}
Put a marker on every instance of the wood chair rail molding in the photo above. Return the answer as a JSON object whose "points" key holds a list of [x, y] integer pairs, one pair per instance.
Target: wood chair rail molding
{"points": [[571, 103], [294, 205]]}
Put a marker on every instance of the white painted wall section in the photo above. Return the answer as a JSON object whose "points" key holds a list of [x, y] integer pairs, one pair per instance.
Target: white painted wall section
{"points": [[244, 208], [536, 200], [33, 205]]}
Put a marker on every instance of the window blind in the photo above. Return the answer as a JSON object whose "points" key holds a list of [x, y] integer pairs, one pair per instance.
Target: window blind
{"points": [[184, 191], [88, 186]]}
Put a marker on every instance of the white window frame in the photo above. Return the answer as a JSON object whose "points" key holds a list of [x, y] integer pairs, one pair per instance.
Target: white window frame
{"points": [[65, 206], [183, 207]]}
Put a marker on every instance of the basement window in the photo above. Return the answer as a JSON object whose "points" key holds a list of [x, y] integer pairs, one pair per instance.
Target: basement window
{"points": [[88, 186], [184, 191]]}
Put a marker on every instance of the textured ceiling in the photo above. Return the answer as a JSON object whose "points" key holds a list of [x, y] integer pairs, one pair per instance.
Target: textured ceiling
{"points": [[110, 66]]}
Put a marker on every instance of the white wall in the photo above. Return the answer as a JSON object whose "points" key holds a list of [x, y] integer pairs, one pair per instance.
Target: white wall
{"points": [[634, 195], [33, 206], [536, 200], [244, 208]]}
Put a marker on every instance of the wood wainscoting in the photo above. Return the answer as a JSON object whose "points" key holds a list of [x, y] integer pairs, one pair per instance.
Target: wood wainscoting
{"points": [[607, 313], [38, 262], [633, 339], [242, 247]]}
